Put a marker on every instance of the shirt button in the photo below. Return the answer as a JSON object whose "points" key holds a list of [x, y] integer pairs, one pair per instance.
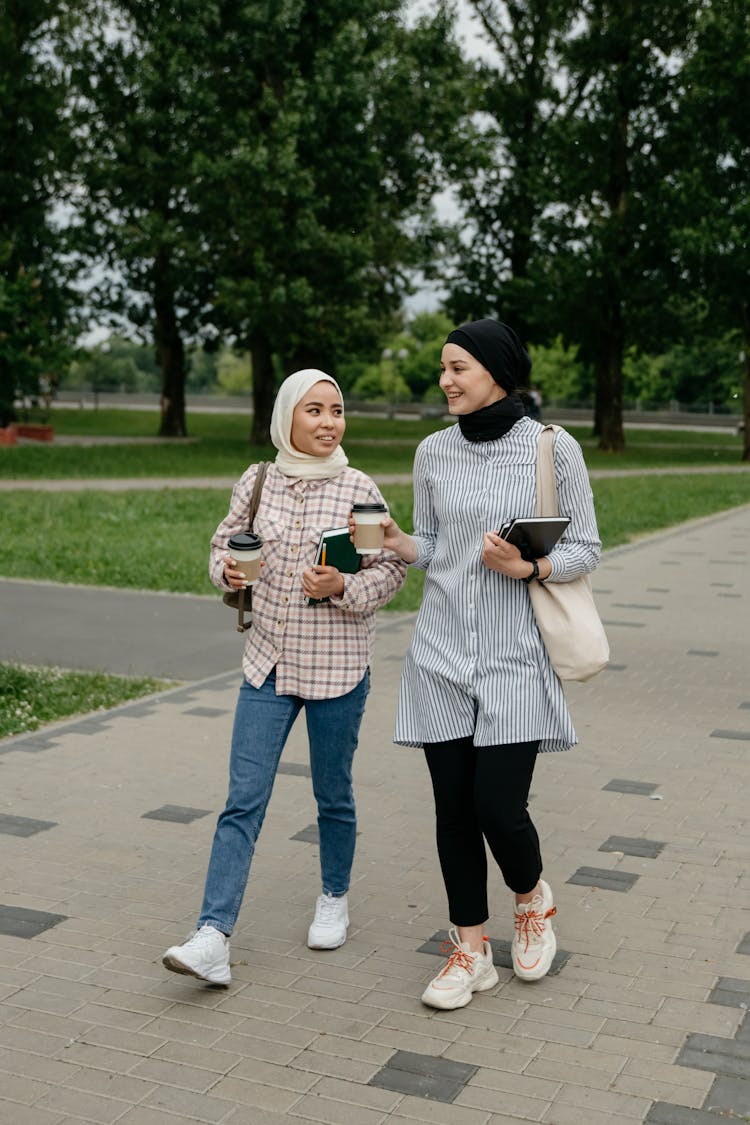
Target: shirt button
{"points": [[293, 550], [290, 574], [285, 598], [301, 499], [280, 624], [298, 523]]}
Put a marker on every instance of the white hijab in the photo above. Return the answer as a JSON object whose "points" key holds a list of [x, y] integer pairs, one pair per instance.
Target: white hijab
{"points": [[289, 460]]}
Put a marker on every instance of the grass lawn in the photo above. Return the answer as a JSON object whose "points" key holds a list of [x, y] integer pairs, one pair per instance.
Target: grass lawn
{"points": [[159, 540], [34, 696], [374, 445]]}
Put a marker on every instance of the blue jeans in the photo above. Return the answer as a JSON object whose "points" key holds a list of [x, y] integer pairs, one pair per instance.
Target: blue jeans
{"points": [[262, 722]]}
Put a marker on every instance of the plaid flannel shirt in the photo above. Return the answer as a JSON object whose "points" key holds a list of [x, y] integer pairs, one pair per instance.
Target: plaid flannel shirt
{"points": [[319, 651]]}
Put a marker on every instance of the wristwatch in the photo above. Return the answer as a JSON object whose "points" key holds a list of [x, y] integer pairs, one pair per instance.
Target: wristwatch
{"points": [[534, 574]]}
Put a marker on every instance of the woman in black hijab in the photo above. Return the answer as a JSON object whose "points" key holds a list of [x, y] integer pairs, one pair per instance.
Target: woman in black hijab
{"points": [[478, 690]]}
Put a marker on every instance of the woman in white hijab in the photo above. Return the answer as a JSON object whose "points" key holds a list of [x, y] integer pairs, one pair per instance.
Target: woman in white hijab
{"points": [[309, 647]]}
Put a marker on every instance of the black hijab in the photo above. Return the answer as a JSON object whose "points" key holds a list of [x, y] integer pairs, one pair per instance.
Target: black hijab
{"points": [[498, 348]]}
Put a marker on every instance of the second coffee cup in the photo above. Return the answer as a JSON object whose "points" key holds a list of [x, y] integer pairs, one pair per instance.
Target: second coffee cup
{"points": [[245, 548], [368, 534]]}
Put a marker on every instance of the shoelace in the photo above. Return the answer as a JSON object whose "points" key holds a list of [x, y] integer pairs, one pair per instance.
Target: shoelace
{"points": [[530, 924], [326, 909], [458, 959]]}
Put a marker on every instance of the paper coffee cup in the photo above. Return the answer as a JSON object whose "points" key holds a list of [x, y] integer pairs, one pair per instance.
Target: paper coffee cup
{"points": [[245, 548], [368, 534]]}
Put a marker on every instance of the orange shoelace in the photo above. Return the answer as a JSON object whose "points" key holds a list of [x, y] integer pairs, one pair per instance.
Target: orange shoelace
{"points": [[458, 959], [530, 924]]}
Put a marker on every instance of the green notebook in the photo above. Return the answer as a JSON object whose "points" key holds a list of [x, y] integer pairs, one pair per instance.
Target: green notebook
{"points": [[339, 552]]}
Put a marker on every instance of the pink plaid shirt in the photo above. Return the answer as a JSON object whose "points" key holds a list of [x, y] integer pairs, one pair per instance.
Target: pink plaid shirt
{"points": [[319, 651]]}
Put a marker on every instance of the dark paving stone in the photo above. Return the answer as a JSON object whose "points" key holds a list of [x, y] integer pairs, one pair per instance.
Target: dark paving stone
{"points": [[649, 849], [604, 880], [729, 595], [716, 1054], [139, 710], [744, 946], [177, 814], [729, 1097], [624, 624], [307, 835], [737, 735], [723, 585], [615, 667], [662, 1113], [23, 825], [742, 1035], [426, 1076], [33, 744], [635, 605], [744, 706], [17, 921], [640, 788], [500, 952], [657, 590], [295, 769], [701, 652], [207, 712], [731, 992]]}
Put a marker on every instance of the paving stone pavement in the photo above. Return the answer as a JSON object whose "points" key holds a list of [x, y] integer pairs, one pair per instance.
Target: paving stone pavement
{"points": [[106, 823]]}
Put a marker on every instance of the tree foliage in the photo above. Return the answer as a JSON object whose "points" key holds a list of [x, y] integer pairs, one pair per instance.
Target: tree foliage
{"points": [[35, 300]]}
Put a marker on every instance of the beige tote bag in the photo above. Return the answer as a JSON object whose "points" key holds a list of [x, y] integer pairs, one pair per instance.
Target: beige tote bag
{"points": [[565, 611]]}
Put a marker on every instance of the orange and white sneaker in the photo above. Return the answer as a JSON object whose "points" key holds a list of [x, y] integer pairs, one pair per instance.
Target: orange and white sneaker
{"points": [[534, 943], [464, 974]]}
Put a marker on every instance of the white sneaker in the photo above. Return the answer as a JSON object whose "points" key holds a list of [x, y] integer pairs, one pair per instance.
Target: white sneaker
{"points": [[534, 943], [204, 955], [328, 927], [464, 974]]}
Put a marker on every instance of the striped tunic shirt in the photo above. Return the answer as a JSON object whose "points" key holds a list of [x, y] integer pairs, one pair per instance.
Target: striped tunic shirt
{"points": [[319, 651], [477, 664]]}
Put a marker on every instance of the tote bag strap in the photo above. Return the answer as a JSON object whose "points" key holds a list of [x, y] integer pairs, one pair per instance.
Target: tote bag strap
{"points": [[245, 599], [546, 484]]}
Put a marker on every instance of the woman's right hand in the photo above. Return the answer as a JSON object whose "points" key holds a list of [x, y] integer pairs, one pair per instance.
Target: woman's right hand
{"points": [[234, 577], [396, 540]]}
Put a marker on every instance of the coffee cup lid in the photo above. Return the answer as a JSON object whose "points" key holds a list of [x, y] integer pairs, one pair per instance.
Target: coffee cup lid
{"points": [[369, 508], [245, 541]]}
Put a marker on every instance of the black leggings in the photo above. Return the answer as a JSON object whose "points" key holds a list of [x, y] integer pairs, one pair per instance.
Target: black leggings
{"points": [[481, 792]]}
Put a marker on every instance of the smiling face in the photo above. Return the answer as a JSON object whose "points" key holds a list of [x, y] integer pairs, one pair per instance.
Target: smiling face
{"points": [[467, 385], [318, 421]]}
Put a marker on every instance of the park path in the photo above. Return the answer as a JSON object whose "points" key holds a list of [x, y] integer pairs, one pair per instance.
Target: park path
{"points": [[106, 824]]}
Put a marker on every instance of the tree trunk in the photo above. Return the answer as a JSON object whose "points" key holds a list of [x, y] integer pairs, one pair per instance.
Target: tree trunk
{"points": [[608, 403], [746, 386], [170, 351], [264, 384]]}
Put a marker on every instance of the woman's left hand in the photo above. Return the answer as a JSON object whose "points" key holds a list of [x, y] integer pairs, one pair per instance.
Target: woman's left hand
{"points": [[500, 555], [322, 581]]}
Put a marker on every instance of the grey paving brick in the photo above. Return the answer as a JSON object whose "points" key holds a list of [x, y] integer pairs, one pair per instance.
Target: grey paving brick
{"points": [[736, 735], [603, 879], [23, 825], [649, 849], [744, 946], [307, 835], [663, 1113], [207, 712], [18, 921], [732, 992], [420, 1085], [639, 788], [176, 813], [714, 1053], [730, 1097], [295, 769]]}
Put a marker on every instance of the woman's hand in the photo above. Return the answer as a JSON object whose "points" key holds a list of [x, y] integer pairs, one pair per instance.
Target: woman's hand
{"points": [[234, 577], [394, 539], [322, 581], [500, 555]]}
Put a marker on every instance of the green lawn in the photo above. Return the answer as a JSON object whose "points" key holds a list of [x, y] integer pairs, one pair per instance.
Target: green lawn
{"points": [[33, 696], [159, 540], [221, 447]]}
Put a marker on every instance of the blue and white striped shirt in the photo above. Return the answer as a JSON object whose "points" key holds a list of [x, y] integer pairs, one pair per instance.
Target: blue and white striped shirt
{"points": [[476, 664]]}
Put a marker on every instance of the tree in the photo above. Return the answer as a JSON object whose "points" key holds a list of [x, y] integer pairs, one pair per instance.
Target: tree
{"points": [[330, 126], [711, 196], [145, 115], [498, 163], [250, 170], [612, 266], [35, 299]]}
